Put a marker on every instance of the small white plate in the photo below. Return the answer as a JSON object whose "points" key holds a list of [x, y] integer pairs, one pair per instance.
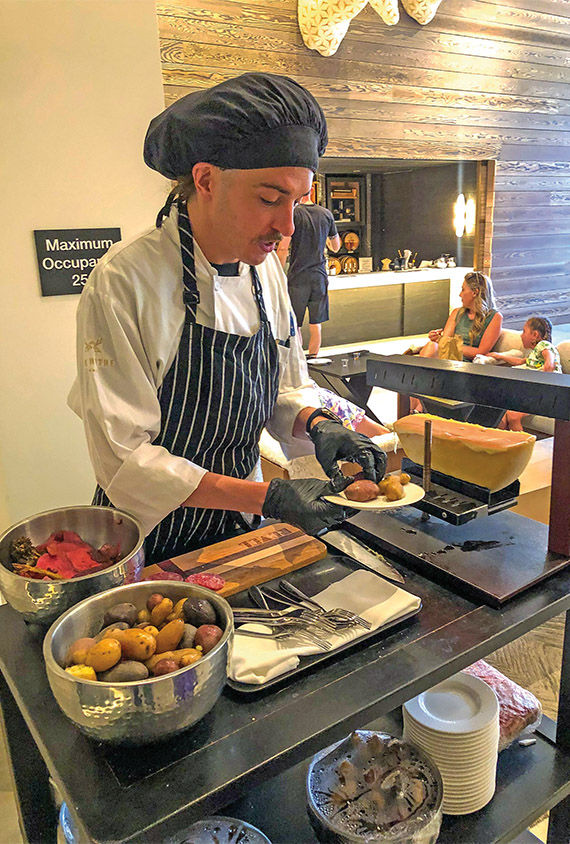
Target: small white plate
{"points": [[412, 493], [461, 704], [318, 361]]}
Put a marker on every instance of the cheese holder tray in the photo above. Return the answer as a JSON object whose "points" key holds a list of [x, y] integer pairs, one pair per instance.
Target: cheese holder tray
{"points": [[312, 580]]}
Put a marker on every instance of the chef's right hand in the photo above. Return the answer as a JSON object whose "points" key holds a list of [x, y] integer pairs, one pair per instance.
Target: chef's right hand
{"points": [[300, 503]]}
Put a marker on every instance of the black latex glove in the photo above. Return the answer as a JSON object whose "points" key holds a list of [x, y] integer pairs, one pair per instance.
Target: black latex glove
{"points": [[335, 442], [300, 502]]}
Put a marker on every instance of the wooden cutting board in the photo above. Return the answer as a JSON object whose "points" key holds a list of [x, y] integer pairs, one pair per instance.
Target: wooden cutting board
{"points": [[250, 558]]}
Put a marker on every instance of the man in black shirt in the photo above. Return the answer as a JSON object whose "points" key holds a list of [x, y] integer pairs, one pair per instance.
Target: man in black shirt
{"points": [[307, 276]]}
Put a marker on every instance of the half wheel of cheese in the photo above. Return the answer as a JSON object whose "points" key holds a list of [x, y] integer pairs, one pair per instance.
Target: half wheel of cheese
{"points": [[488, 457]]}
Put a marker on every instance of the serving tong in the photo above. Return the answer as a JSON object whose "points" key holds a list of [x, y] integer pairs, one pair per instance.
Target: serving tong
{"points": [[282, 623], [312, 621]]}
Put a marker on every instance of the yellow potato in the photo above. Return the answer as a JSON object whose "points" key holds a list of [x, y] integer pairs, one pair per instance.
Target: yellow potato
{"points": [[177, 611], [143, 615], [190, 659], [104, 654], [114, 633], [160, 611], [137, 644], [83, 672], [175, 655], [394, 490], [170, 635]]}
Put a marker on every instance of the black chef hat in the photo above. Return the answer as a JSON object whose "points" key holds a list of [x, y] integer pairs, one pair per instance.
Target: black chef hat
{"points": [[253, 121]]}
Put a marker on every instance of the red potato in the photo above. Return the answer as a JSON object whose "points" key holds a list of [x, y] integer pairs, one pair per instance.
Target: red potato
{"points": [[362, 491], [77, 652], [352, 470], [164, 666], [153, 600], [207, 637]]}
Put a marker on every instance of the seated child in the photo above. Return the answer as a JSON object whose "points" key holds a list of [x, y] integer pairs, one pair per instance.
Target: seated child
{"points": [[537, 337]]}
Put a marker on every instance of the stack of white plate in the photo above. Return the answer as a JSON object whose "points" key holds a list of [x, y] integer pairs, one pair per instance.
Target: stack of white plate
{"points": [[457, 724]]}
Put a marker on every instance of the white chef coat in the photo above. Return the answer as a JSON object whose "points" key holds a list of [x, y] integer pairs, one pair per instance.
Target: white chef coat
{"points": [[129, 325]]}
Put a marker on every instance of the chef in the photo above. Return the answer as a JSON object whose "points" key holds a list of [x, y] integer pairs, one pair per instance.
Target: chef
{"points": [[186, 343]]}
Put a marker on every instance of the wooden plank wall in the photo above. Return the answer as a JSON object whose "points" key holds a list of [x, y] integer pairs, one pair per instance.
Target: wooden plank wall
{"points": [[484, 80]]}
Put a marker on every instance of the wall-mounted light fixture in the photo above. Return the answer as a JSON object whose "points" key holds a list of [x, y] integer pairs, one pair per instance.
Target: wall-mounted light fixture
{"points": [[464, 215], [470, 216]]}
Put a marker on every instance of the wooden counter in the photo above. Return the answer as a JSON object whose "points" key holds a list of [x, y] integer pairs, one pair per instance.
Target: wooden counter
{"points": [[372, 306]]}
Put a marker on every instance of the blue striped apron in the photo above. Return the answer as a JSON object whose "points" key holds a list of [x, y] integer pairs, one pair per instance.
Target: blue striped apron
{"points": [[215, 400]]}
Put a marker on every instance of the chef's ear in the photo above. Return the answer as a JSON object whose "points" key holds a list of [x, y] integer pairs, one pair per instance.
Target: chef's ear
{"points": [[204, 175]]}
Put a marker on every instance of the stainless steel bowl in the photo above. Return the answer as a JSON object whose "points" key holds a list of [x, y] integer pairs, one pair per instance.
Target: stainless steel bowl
{"points": [[220, 830], [41, 601], [146, 710], [355, 821]]}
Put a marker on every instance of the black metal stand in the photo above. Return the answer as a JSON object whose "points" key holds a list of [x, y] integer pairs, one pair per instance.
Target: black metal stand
{"points": [[347, 382], [559, 821]]}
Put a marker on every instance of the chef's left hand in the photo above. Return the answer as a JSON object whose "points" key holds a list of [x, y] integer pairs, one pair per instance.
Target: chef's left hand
{"points": [[335, 442]]}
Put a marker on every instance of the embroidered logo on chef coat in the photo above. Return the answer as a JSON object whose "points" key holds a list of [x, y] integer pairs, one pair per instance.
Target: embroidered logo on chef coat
{"points": [[94, 357], [94, 345]]}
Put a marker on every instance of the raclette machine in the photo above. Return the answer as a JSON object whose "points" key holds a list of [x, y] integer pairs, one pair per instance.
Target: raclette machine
{"points": [[496, 558]]}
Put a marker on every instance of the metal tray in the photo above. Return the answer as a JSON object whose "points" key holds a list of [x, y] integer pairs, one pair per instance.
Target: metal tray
{"points": [[313, 579]]}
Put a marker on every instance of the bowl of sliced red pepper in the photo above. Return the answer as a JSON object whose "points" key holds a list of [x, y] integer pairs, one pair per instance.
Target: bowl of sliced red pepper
{"points": [[55, 559]]}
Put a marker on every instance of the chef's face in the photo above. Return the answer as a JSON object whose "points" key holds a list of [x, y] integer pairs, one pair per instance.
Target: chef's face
{"points": [[252, 210]]}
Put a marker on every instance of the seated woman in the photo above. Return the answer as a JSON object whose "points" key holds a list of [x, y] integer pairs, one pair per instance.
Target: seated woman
{"points": [[536, 336], [477, 322]]}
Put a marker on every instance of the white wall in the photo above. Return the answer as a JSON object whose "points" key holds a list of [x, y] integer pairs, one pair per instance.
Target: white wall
{"points": [[79, 83]]}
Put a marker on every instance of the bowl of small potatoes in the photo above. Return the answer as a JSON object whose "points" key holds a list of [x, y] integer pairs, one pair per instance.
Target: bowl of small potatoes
{"points": [[140, 662]]}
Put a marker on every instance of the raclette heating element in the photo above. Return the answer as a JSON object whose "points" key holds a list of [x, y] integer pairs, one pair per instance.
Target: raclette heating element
{"points": [[456, 501]]}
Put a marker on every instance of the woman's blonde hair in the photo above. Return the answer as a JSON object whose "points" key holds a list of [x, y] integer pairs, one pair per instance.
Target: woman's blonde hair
{"points": [[484, 301]]}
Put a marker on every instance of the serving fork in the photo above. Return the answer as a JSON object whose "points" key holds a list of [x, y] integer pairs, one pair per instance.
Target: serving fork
{"points": [[335, 619], [261, 594], [300, 632], [338, 613]]}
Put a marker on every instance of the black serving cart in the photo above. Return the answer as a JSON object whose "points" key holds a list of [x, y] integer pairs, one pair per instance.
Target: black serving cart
{"points": [[248, 757]]}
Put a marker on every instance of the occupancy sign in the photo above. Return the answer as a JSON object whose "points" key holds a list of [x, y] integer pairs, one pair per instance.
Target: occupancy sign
{"points": [[67, 256]]}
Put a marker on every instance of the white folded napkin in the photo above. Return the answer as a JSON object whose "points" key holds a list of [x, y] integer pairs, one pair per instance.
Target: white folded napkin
{"points": [[257, 660]]}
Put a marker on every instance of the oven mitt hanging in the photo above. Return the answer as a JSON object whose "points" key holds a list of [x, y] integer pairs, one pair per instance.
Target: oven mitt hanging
{"points": [[387, 9], [422, 11], [324, 23]]}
